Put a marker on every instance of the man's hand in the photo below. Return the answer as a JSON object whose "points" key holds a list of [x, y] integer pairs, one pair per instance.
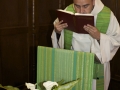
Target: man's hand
{"points": [[59, 26], [93, 31]]}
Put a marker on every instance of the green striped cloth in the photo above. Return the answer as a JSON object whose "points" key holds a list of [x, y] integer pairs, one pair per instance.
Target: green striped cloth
{"points": [[57, 64], [103, 20], [99, 76]]}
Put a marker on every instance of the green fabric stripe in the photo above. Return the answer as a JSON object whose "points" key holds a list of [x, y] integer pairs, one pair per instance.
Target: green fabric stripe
{"points": [[98, 71], [68, 39], [79, 69], [67, 33], [45, 64], [61, 65], [53, 54], [103, 20], [74, 66], [40, 64], [100, 84], [48, 66], [83, 71], [70, 8]]}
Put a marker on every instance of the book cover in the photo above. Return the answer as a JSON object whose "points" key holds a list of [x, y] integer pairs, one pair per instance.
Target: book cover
{"points": [[75, 21]]}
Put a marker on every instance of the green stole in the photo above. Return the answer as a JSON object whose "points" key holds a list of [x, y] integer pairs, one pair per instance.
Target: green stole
{"points": [[102, 23]]}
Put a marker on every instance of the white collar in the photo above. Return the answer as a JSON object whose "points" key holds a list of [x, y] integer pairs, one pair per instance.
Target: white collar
{"points": [[98, 7]]}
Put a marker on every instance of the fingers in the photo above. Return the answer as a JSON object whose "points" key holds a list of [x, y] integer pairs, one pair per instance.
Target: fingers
{"points": [[86, 28], [62, 25], [89, 28], [59, 26], [60, 22], [92, 31], [92, 28]]}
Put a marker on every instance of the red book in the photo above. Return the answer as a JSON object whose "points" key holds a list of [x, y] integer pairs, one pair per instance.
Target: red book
{"points": [[75, 21]]}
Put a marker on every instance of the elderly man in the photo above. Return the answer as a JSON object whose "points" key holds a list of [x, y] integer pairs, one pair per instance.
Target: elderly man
{"points": [[103, 39]]}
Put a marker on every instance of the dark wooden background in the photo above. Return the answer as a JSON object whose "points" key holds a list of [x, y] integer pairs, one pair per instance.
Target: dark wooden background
{"points": [[25, 24]]}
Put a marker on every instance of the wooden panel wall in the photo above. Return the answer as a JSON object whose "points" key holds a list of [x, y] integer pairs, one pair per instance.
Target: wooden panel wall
{"points": [[44, 18], [15, 30], [117, 10]]}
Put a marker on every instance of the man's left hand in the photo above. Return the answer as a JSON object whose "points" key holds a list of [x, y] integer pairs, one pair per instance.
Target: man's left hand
{"points": [[93, 31]]}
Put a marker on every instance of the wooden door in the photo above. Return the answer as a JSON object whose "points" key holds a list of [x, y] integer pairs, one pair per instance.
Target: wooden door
{"points": [[117, 10], [16, 42], [111, 4], [45, 14]]}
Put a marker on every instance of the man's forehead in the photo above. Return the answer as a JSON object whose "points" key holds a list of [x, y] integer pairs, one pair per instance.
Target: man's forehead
{"points": [[82, 1]]}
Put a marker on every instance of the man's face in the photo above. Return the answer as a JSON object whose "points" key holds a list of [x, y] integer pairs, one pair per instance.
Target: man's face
{"points": [[84, 6]]}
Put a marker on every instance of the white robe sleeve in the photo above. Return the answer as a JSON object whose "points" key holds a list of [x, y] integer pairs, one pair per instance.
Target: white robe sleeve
{"points": [[54, 39], [110, 42], [57, 43]]}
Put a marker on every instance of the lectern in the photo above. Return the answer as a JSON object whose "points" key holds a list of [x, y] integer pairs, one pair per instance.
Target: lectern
{"points": [[56, 64]]}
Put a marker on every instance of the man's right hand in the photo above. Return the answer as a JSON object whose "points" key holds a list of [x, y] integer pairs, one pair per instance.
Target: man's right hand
{"points": [[59, 26]]}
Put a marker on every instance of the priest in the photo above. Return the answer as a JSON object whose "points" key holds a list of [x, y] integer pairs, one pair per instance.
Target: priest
{"points": [[103, 38]]}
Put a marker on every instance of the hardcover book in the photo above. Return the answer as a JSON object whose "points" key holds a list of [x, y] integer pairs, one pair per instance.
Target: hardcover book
{"points": [[75, 21]]}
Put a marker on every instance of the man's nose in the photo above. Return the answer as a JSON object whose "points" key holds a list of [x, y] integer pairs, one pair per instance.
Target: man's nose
{"points": [[81, 10]]}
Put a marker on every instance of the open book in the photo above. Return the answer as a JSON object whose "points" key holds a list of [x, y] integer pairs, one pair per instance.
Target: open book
{"points": [[75, 21]]}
